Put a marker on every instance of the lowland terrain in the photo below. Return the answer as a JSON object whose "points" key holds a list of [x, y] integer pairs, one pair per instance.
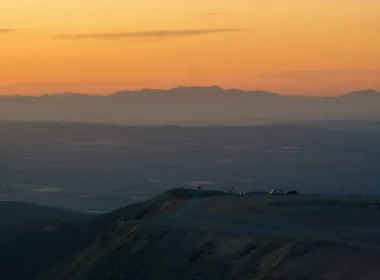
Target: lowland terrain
{"points": [[98, 168]]}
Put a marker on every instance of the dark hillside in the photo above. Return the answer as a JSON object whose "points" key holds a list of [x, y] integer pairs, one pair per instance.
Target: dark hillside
{"points": [[129, 243], [35, 250], [24, 215], [26, 230], [134, 252]]}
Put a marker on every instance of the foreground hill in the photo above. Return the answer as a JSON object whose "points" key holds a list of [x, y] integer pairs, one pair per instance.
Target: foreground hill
{"points": [[190, 105], [138, 245], [136, 252], [33, 251], [194, 234]]}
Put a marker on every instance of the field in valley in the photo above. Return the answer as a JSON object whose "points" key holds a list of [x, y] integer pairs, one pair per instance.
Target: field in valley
{"points": [[98, 168]]}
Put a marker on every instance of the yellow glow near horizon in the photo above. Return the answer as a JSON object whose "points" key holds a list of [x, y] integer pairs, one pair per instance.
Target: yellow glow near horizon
{"points": [[298, 46]]}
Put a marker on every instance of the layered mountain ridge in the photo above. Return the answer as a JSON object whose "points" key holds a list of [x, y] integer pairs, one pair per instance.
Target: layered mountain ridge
{"points": [[190, 106]]}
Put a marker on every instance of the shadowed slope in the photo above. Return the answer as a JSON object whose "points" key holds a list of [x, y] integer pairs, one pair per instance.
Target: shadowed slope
{"points": [[138, 252], [34, 251], [124, 244]]}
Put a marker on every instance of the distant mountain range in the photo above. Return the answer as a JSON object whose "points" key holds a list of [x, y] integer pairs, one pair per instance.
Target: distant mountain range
{"points": [[190, 106]]}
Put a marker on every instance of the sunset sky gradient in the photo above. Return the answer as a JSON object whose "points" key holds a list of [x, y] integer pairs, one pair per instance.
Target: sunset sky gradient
{"points": [[313, 47]]}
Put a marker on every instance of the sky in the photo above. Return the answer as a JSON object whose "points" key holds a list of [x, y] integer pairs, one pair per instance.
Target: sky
{"points": [[311, 47]]}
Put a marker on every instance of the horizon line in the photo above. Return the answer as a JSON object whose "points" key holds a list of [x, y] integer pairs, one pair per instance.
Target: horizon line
{"points": [[41, 94]]}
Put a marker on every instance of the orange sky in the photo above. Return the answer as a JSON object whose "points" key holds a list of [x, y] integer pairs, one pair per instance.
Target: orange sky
{"points": [[316, 47]]}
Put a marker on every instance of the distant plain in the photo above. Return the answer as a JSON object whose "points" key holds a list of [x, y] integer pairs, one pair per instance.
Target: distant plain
{"points": [[98, 168]]}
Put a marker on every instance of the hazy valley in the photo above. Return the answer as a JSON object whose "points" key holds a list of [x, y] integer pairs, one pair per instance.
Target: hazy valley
{"points": [[97, 168]]}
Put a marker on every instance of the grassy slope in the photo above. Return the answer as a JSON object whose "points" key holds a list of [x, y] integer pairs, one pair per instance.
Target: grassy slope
{"points": [[130, 250], [135, 252], [118, 246], [34, 251]]}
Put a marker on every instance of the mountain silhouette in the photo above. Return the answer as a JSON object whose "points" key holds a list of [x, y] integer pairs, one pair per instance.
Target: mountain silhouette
{"points": [[190, 106], [370, 93]]}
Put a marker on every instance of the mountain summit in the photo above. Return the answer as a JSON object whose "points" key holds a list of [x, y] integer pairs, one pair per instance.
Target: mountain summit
{"points": [[364, 94]]}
